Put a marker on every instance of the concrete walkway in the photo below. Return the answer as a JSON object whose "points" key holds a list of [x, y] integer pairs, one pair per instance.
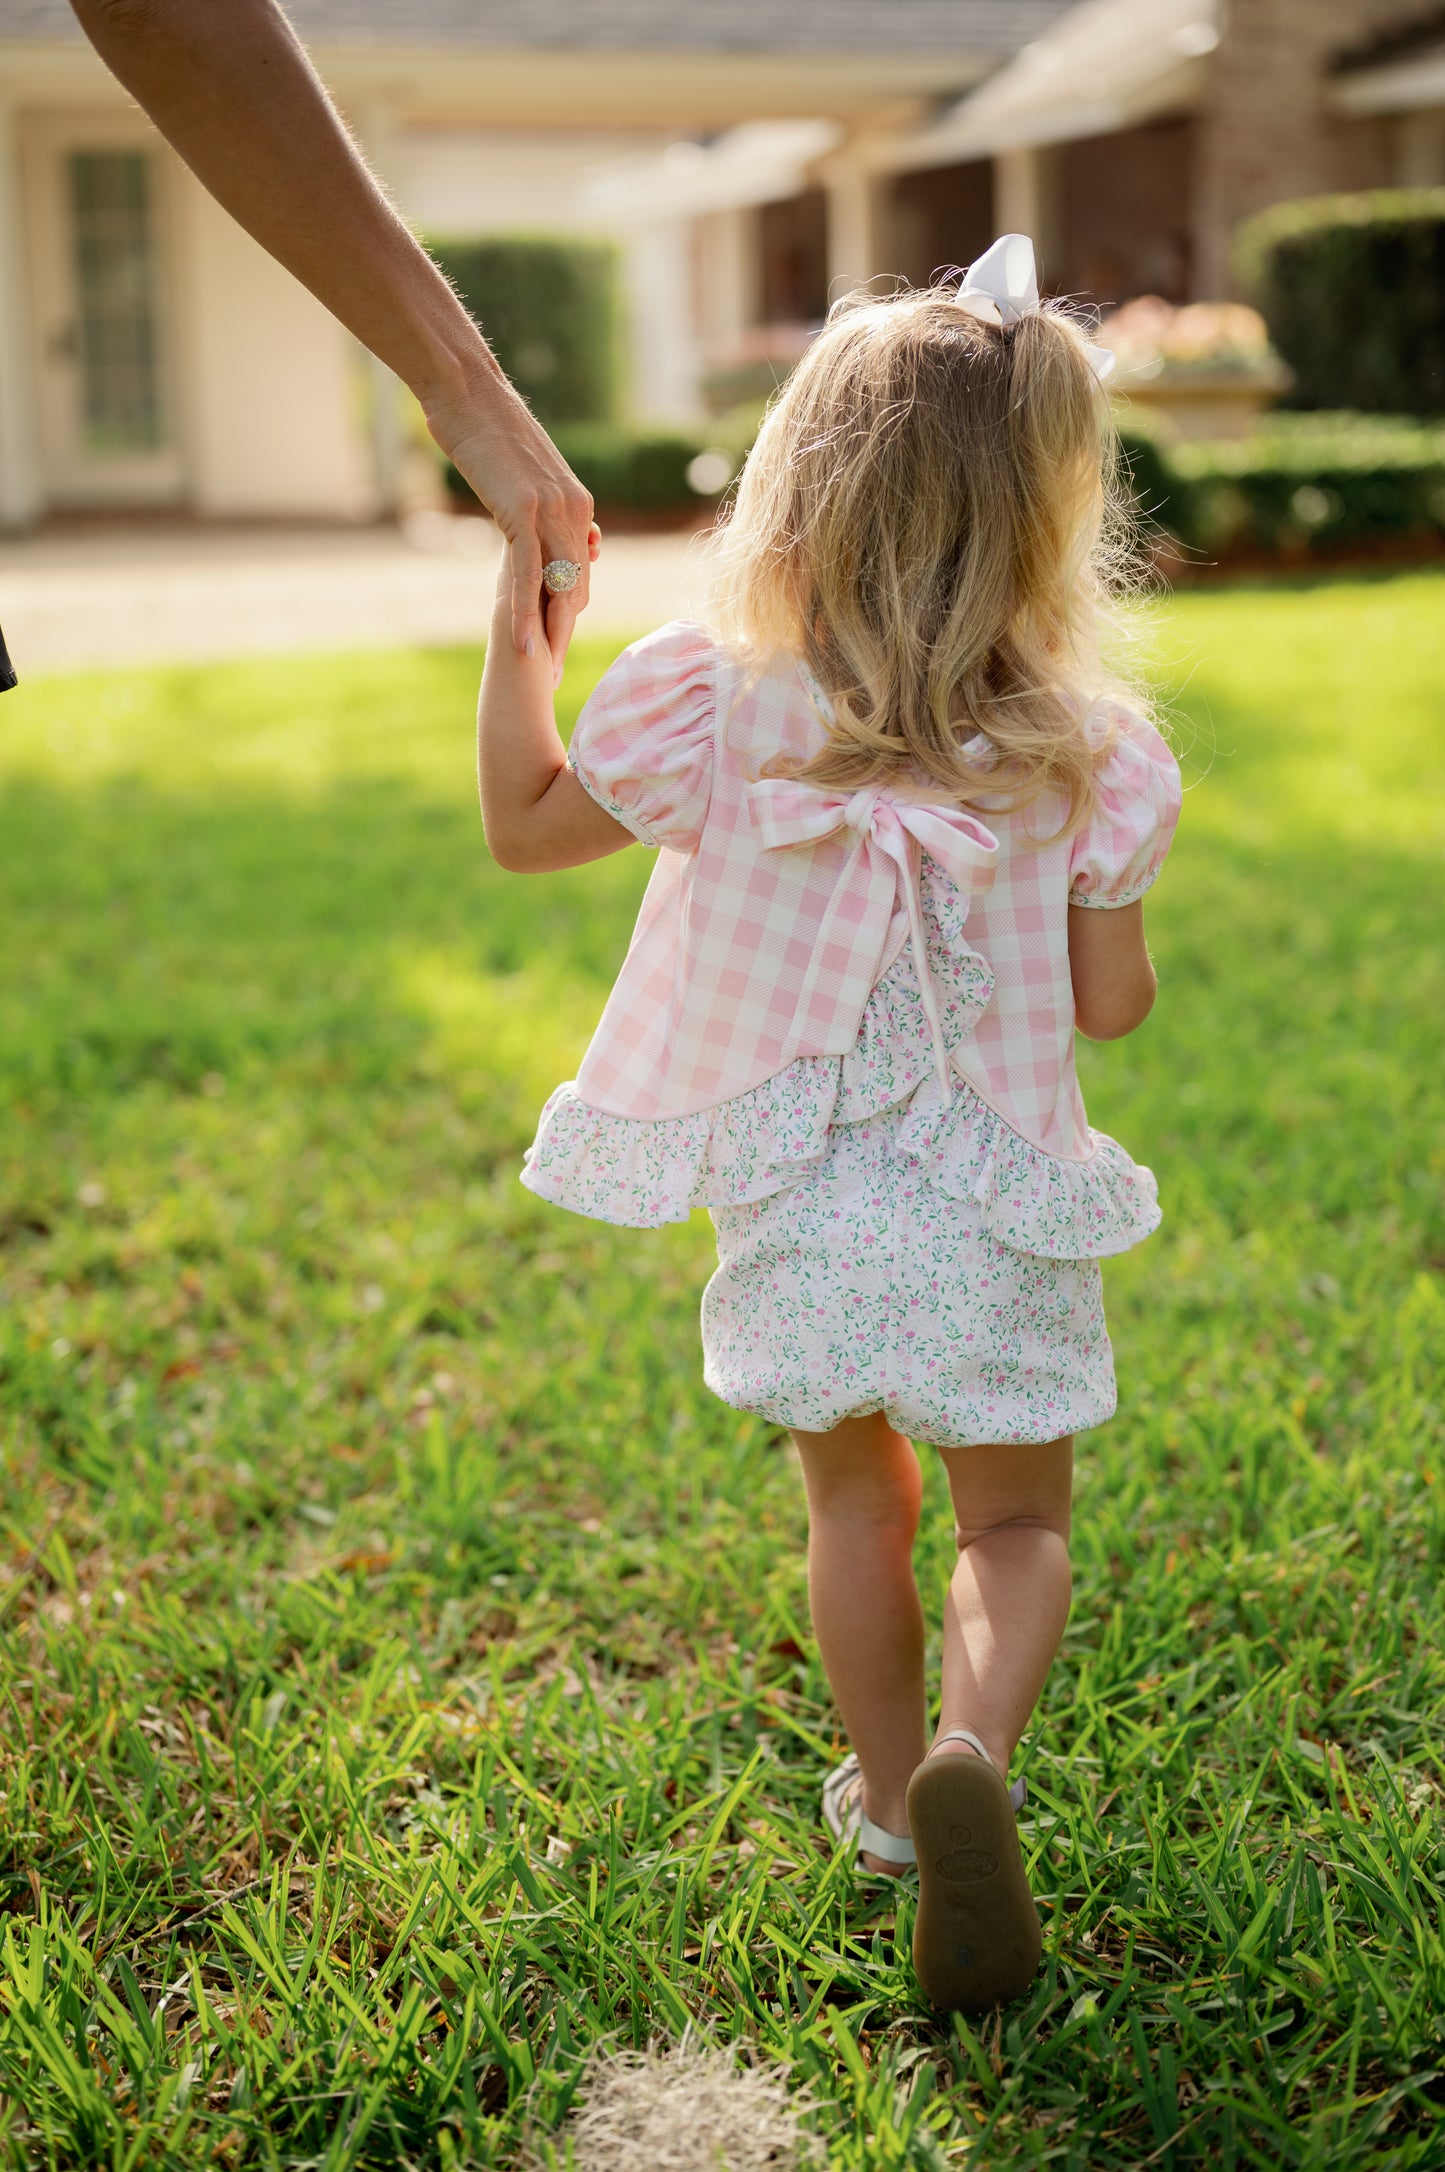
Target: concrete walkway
{"points": [[167, 592]]}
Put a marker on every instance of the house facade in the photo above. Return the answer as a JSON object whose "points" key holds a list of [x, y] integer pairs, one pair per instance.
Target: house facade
{"points": [[749, 157], [1133, 136]]}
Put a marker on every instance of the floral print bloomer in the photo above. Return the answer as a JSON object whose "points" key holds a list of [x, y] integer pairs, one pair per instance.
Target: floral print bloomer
{"points": [[912, 1224]]}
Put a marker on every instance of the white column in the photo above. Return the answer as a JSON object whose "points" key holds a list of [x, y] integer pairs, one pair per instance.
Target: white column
{"points": [[662, 360], [730, 276], [852, 224], [1024, 199], [19, 468]]}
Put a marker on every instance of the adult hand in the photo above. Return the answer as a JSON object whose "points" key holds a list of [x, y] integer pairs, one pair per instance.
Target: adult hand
{"points": [[535, 499]]}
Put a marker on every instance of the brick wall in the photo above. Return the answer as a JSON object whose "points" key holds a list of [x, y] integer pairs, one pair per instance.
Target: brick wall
{"points": [[1266, 132]]}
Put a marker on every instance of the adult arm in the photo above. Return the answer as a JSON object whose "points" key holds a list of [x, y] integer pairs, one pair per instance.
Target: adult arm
{"points": [[1109, 964], [536, 815], [228, 83]]}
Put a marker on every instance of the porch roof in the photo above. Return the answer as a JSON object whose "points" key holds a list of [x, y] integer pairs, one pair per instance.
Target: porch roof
{"points": [[758, 162], [1400, 71], [1103, 66]]}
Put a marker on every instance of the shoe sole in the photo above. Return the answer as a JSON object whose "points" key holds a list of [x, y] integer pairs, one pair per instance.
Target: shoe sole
{"points": [[976, 1936]]}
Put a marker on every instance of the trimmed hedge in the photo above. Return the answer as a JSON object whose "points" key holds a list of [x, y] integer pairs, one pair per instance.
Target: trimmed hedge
{"points": [[1303, 485], [549, 311], [637, 471], [1353, 291]]}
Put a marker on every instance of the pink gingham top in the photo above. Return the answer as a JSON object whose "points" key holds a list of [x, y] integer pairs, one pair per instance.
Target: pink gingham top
{"points": [[776, 909]]}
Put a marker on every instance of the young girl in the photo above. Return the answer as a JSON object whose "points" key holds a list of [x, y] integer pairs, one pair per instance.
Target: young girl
{"points": [[902, 842]]}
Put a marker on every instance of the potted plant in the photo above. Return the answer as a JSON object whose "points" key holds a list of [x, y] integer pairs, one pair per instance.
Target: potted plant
{"points": [[1205, 370]]}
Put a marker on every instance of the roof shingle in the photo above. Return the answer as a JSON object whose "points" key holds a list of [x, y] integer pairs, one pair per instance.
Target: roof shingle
{"points": [[703, 26]]}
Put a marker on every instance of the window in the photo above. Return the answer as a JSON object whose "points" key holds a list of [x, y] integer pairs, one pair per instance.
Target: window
{"points": [[112, 223]]}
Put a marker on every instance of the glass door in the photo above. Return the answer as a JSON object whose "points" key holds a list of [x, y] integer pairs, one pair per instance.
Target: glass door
{"points": [[108, 409]]}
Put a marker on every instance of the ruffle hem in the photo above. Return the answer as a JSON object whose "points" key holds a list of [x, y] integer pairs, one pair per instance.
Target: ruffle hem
{"points": [[641, 1174]]}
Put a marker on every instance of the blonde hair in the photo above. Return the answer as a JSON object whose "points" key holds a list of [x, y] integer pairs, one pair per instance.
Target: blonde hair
{"points": [[928, 520]]}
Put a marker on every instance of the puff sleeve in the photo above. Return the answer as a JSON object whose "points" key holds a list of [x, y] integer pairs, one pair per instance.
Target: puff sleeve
{"points": [[1116, 857], [643, 745]]}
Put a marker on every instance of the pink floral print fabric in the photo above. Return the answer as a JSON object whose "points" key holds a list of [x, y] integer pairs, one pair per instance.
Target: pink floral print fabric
{"points": [[866, 1287]]}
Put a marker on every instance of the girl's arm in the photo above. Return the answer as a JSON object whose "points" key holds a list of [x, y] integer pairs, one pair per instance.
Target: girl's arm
{"points": [[536, 815], [1114, 985]]}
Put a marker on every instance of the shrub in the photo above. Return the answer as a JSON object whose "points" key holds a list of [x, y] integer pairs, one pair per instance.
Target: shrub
{"points": [[1302, 484], [549, 310], [1145, 472], [643, 470], [1353, 291], [635, 471]]}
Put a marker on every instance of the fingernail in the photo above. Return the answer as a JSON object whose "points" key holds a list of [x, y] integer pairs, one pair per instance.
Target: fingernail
{"points": [[531, 645]]}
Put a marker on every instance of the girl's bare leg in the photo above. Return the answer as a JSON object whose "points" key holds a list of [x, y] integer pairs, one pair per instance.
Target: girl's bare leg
{"points": [[864, 1494], [1009, 1598]]}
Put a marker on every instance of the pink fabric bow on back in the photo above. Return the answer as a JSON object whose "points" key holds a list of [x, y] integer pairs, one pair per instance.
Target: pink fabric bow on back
{"points": [[889, 831]]}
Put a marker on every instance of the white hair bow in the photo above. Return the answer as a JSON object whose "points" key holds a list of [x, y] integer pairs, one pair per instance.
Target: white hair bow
{"points": [[1002, 286]]}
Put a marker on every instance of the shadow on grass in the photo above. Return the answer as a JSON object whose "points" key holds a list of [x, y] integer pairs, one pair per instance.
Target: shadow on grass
{"points": [[159, 938]]}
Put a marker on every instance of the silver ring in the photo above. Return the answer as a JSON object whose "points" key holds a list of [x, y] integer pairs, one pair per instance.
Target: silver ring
{"points": [[560, 574]]}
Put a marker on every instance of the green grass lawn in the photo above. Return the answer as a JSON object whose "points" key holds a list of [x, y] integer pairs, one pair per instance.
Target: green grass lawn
{"points": [[405, 1671]]}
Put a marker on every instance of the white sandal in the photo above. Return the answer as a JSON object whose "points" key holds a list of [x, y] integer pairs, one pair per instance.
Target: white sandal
{"points": [[1018, 1794], [844, 1817]]}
